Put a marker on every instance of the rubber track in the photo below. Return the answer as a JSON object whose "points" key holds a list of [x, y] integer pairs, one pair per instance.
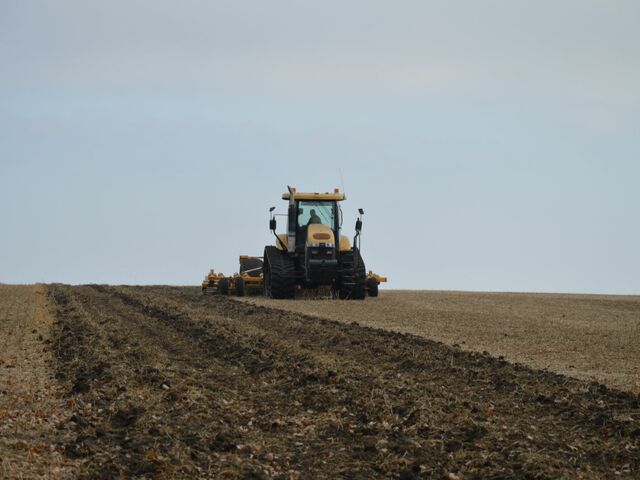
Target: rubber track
{"points": [[352, 276], [282, 273]]}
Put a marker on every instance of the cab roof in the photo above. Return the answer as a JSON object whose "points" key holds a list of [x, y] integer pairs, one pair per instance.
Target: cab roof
{"points": [[336, 196]]}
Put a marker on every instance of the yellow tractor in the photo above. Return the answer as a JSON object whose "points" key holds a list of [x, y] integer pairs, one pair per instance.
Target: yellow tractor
{"points": [[313, 252]]}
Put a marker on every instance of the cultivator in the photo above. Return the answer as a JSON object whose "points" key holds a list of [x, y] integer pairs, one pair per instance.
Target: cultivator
{"points": [[248, 280], [211, 282]]}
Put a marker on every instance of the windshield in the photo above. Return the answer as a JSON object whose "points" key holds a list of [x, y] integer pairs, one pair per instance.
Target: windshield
{"points": [[316, 212]]}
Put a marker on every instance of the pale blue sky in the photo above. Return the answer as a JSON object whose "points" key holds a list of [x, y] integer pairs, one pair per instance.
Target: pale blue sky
{"points": [[494, 145]]}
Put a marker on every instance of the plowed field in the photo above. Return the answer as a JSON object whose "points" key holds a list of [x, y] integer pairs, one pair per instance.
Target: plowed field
{"points": [[161, 382], [592, 337]]}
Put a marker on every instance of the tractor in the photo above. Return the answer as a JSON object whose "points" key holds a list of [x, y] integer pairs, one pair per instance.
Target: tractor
{"points": [[313, 252]]}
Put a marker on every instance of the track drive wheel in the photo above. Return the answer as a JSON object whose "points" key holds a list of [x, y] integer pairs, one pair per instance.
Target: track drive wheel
{"points": [[239, 284], [279, 274], [372, 287], [223, 286]]}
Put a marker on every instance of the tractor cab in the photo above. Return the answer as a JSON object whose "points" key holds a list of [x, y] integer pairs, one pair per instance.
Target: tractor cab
{"points": [[317, 221], [313, 219]]}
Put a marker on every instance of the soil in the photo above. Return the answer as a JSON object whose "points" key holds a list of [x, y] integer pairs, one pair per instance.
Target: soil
{"points": [[32, 404], [591, 337], [167, 383]]}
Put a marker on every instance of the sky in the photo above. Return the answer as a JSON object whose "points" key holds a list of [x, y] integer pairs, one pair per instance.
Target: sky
{"points": [[493, 145]]}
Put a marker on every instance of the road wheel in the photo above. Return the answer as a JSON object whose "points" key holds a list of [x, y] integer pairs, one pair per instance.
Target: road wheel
{"points": [[239, 283], [372, 287], [223, 286], [279, 274]]}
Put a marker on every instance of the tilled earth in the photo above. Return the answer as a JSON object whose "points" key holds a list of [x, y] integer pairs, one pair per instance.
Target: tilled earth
{"points": [[166, 383], [591, 337]]}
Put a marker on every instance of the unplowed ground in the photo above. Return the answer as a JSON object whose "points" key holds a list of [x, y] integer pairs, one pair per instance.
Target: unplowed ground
{"points": [[166, 383]]}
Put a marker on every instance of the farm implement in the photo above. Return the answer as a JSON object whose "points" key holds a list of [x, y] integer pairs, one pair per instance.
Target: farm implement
{"points": [[248, 280]]}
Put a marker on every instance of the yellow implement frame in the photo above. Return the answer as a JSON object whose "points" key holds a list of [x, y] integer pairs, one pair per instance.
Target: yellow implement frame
{"points": [[379, 279], [211, 282]]}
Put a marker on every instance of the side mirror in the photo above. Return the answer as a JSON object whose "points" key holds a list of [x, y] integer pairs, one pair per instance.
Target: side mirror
{"points": [[272, 209], [272, 224], [359, 220]]}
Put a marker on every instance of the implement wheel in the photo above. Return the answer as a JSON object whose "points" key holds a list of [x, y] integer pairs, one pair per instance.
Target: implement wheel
{"points": [[239, 282], [372, 287], [223, 286]]}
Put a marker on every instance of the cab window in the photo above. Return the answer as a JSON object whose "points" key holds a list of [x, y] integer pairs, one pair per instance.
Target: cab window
{"points": [[323, 212]]}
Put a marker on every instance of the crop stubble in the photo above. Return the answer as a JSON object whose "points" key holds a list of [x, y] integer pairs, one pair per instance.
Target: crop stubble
{"points": [[170, 384]]}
